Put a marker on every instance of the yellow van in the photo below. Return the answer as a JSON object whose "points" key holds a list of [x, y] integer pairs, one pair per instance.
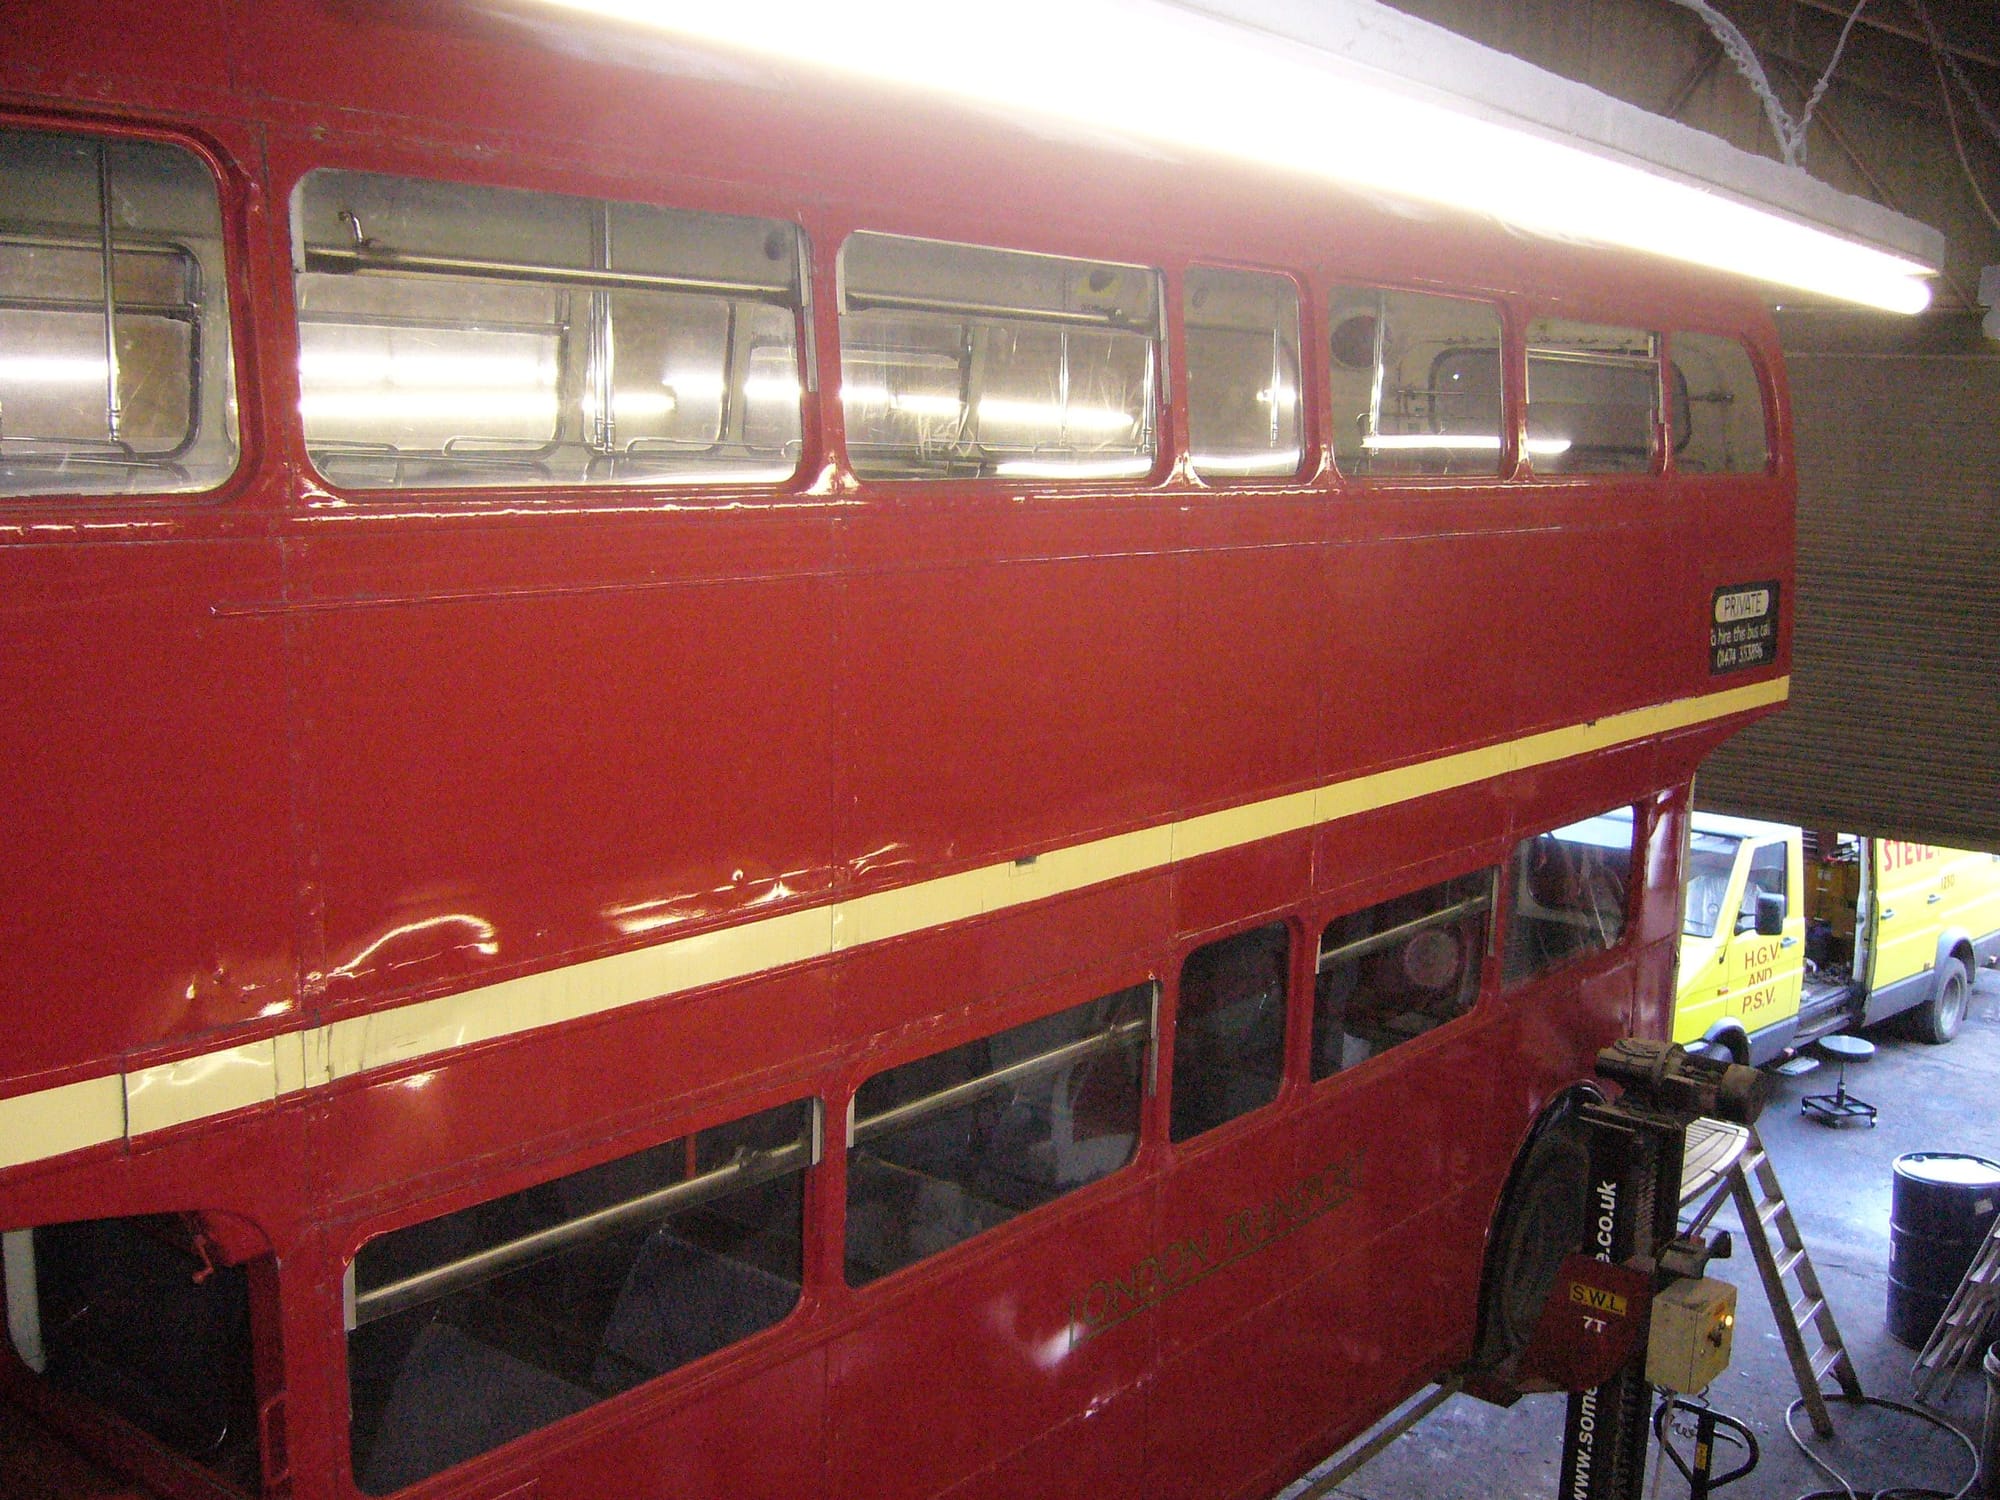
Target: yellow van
{"points": [[1783, 940]]}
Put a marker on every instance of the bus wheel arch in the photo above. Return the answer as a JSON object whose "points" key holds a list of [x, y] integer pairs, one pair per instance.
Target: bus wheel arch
{"points": [[1540, 1220]]}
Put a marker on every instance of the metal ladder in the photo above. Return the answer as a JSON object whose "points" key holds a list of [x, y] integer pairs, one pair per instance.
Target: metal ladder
{"points": [[1962, 1328], [1763, 1209]]}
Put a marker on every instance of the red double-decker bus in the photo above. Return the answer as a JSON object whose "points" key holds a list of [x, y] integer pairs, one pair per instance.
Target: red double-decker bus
{"points": [[718, 785]]}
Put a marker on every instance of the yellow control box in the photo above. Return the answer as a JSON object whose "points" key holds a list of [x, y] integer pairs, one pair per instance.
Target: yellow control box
{"points": [[1688, 1340]]}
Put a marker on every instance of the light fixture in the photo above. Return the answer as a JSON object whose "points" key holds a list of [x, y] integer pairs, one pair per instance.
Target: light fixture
{"points": [[1277, 84]]}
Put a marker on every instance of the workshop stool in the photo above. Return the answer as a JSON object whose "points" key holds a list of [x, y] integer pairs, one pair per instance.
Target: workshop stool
{"points": [[1838, 1107]]}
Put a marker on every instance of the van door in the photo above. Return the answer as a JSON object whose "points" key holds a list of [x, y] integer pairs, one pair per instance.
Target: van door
{"points": [[1906, 922], [1766, 974], [1713, 889]]}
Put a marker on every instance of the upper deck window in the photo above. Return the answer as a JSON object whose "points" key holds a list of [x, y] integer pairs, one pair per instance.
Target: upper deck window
{"points": [[1416, 384], [115, 371], [1243, 373], [962, 361], [458, 336], [1593, 398], [954, 1144], [1718, 407]]}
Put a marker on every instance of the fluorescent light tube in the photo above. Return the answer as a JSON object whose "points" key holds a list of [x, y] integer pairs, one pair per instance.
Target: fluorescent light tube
{"points": [[1171, 74]]}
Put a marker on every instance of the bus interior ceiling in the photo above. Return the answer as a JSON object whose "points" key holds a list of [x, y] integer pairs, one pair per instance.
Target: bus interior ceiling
{"points": [[1893, 727]]}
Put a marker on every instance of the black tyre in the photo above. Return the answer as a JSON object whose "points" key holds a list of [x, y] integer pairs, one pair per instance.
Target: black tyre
{"points": [[1937, 1020], [1542, 1222]]}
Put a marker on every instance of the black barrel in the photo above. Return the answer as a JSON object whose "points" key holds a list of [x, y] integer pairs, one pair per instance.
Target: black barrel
{"points": [[1940, 1208], [1989, 1448]]}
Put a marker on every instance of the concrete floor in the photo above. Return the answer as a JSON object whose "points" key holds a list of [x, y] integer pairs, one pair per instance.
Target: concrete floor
{"points": [[1838, 1182]]}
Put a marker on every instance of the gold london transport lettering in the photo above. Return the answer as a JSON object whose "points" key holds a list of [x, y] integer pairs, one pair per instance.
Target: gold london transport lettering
{"points": [[1181, 1263]]}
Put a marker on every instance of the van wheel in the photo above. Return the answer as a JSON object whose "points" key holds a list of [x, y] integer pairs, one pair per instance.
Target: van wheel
{"points": [[1543, 1222], [1937, 1020]]}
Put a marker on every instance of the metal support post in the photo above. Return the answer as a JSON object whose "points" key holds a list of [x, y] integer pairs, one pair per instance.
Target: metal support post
{"points": [[1637, 1149]]}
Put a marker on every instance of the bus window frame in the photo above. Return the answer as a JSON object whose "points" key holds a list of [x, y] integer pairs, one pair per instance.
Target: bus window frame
{"points": [[1511, 463], [218, 146], [1169, 1027], [1659, 436], [1314, 468], [1644, 817], [474, 1181], [918, 1043], [1767, 399], [1487, 857], [1168, 418], [294, 156]]}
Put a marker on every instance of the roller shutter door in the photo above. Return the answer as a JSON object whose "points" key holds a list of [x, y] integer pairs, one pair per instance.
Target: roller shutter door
{"points": [[1894, 723]]}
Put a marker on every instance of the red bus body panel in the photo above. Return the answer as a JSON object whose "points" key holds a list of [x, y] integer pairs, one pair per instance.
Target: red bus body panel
{"points": [[277, 758]]}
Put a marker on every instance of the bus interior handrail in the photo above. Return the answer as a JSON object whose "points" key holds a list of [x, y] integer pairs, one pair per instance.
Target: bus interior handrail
{"points": [[1119, 1034], [1389, 937], [747, 1168]]}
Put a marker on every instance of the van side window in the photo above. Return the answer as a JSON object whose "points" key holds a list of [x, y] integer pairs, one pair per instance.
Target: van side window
{"points": [[1416, 383], [115, 368], [1719, 424], [1398, 969], [456, 336], [1243, 373], [1569, 894], [951, 1145], [1766, 878], [472, 1329], [1711, 861], [1593, 398], [1229, 1029], [962, 361]]}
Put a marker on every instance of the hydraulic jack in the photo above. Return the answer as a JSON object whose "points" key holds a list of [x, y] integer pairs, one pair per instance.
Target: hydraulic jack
{"points": [[1633, 1310]]}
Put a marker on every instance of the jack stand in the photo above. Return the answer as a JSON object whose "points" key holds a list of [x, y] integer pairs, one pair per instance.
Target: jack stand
{"points": [[1636, 1153], [1699, 1471]]}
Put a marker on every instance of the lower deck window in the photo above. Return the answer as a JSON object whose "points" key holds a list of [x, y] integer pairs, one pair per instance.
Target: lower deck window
{"points": [[957, 1143], [1398, 969], [133, 1316], [1569, 895], [481, 1326], [1229, 1029]]}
